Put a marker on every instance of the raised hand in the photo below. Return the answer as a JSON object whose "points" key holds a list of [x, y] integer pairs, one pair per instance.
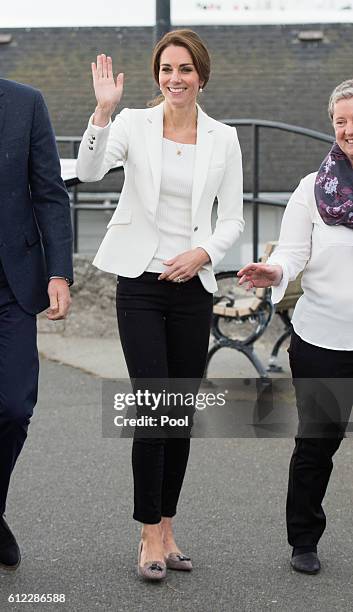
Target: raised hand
{"points": [[108, 91], [260, 275]]}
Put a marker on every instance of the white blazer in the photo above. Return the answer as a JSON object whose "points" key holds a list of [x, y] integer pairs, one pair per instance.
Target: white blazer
{"points": [[135, 137]]}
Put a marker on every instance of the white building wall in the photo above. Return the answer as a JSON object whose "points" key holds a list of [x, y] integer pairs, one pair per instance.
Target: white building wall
{"points": [[266, 5], [113, 13]]}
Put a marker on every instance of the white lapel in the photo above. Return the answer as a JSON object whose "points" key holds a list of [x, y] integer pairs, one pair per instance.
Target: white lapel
{"points": [[204, 145], [154, 141]]}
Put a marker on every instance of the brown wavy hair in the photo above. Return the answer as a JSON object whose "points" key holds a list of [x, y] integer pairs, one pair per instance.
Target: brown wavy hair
{"points": [[192, 43]]}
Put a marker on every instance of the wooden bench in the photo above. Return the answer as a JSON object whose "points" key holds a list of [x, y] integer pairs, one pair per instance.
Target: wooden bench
{"points": [[251, 313]]}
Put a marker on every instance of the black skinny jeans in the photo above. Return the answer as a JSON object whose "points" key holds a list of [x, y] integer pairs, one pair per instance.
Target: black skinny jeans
{"points": [[323, 381], [164, 330]]}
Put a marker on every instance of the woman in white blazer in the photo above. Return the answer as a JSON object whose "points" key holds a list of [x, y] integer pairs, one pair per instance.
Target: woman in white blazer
{"points": [[161, 245]]}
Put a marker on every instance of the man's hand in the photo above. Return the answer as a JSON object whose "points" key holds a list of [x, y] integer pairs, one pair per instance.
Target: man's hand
{"points": [[185, 266], [60, 300]]}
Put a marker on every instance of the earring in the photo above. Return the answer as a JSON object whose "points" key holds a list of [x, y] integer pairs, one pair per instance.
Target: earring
{"points": [[200, 90]]}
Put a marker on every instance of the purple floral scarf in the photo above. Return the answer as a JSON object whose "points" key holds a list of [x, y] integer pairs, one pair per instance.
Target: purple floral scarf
{"points": [[334, 189]]}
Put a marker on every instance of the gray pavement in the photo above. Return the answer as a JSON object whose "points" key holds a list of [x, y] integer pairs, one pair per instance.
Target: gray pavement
{"points": [[71, 501], [104, 356]]}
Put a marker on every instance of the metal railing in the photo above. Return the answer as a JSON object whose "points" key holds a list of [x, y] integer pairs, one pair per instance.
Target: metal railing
{"points": [[254, 198]]}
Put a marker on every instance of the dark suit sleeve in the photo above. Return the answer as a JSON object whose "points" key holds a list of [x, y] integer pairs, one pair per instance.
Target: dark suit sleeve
{"points": [[48, 193]]}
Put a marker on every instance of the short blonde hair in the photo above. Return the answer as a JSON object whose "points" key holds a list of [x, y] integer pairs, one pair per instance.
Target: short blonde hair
{"points": [[343, 91]]}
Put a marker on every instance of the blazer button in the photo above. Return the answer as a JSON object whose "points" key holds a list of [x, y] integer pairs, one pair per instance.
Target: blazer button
{"points": [[93, 137], [90, 148], [196, 228]]}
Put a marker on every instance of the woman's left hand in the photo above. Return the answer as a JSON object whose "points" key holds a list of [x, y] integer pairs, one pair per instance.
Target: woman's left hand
{"points": [[185, 266]]}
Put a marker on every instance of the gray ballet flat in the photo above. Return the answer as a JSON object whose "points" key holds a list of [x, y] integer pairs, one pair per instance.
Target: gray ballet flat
{"points": [[152, 570], [177, 561]]}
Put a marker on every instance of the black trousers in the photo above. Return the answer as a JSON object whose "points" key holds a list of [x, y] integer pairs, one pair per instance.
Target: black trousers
{"points": [[164, 330], [18, 383], [323, 381]]}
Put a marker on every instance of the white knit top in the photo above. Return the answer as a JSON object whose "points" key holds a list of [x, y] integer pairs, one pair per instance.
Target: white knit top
{"points": [[173, 218]]}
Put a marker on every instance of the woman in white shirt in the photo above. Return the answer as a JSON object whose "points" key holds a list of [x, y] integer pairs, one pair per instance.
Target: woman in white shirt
{"points": [[161, 245], [316, 236]]}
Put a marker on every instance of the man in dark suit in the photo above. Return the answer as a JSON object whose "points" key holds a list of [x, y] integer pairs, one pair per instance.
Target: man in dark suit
{"points": [[35, 268]]}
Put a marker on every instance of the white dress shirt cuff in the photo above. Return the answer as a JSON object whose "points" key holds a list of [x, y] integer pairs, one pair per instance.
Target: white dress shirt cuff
{"points": [[69, 282], [278, 291]]}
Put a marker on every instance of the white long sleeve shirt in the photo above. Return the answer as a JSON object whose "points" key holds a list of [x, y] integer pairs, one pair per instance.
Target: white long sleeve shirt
{"points": [[173, 216], [323, 314]]}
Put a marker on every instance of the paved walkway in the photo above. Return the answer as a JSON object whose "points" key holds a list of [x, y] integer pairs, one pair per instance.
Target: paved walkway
{"points": [[104, 356], [70, 506]]}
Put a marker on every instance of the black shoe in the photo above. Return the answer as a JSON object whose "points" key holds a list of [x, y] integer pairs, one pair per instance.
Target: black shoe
{"points": [[10, 556], [308, 563]]}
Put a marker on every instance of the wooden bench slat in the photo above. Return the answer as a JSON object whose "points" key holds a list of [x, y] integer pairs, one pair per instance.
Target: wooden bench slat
{"points": [[241, 307], [235, 304]]}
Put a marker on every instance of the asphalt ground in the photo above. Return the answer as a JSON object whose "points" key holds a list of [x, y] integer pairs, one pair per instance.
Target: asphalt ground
{"points": [[70, 506]]}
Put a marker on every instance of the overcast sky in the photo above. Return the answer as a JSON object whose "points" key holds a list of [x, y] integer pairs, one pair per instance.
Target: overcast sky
{"points": [[70, 13]]}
